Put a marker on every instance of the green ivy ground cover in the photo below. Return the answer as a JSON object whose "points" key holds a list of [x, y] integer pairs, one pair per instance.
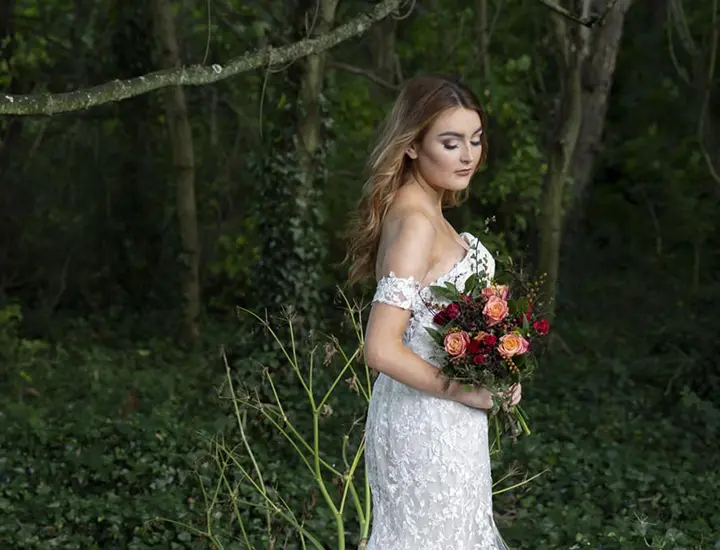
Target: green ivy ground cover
{"points": [[117, 437]]}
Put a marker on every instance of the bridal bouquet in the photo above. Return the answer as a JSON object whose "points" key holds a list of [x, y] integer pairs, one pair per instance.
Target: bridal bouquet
{"points": [[491, 334]]}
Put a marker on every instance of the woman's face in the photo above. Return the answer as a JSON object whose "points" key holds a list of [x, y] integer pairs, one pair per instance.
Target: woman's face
{"points": [[449, 153]]}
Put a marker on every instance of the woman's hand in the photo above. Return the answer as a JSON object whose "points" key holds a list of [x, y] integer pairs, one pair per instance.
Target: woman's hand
{"points": [[481, 398], [477, 398], [515, 394]]}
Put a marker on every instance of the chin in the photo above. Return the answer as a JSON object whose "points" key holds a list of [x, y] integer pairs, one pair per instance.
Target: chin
{"points": [[459, 184]]}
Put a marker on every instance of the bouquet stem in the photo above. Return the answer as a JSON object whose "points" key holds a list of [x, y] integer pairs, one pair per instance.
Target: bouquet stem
{"points": [[516, 417], [522, 418]]}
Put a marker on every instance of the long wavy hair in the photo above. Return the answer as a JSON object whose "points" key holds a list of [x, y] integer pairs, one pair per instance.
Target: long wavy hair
{"points": [[420, 102]]}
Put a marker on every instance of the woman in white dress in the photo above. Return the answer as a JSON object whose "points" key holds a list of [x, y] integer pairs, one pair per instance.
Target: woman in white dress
{"points": [[427, 453]]}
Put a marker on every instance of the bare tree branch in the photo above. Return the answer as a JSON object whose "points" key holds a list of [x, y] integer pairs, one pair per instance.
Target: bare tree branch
{"points": [[193, 75], [588, 21], [362, 72], [677, 13], [700, 75], [681, 71], [706, 95]]}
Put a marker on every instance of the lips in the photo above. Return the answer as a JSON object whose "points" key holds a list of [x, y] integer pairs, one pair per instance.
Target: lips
{"points": [[465, 172]]}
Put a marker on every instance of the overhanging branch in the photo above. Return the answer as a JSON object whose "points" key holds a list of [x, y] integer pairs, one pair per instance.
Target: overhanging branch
{"points": [[193, 75]]}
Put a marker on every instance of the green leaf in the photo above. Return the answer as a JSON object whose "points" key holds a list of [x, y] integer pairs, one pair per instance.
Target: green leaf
{"points": [[436, 335], [471, 283], [525, 322], [444, 292]]}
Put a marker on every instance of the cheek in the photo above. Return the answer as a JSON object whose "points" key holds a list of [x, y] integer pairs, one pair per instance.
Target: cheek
{"points": [[438, 159], [477, 155]]}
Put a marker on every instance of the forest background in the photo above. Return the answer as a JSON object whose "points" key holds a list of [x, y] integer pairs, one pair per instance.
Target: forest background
{"points": [[142, 223]]}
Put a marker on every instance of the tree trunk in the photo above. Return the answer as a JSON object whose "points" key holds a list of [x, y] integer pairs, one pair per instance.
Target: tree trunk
{"points": [[386, 63], [573, 51], [311, 86], [184, 163], [10, 127], [597, 81], [588, 63], [290, 180], [484, 35]]}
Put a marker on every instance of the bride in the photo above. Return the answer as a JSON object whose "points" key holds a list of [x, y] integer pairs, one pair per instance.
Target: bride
{"points": [[427, 454]]}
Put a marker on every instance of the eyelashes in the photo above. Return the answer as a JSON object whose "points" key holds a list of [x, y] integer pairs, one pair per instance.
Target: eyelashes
{"points": [[451, 146]]}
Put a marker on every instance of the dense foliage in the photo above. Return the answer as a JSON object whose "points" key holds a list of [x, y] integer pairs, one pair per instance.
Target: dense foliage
{"points": [[111, 424]]}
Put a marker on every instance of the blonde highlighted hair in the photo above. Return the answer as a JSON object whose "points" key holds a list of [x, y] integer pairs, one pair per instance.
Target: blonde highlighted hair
{"points": [[420, 102]]}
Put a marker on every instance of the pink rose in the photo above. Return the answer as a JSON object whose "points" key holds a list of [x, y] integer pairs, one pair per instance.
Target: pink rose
{"points": [[495, 310], [512, 344], [501, 291], [456, 343]]}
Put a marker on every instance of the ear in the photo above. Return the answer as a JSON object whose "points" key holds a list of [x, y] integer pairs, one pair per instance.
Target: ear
{"points": [[412, 152]]}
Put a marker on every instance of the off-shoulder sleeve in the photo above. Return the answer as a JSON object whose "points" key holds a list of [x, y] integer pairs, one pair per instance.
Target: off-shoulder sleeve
{"points": [[397, 291]]}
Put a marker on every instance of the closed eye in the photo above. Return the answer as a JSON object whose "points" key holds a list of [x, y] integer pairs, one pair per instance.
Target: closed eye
{"points": [[451, 146]]}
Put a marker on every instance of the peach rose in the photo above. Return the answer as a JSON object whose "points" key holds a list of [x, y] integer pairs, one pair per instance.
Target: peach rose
{"points": [[495, 310], [501, 291], [512, 344], [456, 343]]}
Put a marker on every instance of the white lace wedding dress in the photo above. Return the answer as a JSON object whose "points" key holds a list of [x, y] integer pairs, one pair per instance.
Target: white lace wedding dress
{"points": [[427, 458]]}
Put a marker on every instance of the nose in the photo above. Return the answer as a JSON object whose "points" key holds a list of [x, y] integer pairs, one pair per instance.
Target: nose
{"points": [[467, 156]]}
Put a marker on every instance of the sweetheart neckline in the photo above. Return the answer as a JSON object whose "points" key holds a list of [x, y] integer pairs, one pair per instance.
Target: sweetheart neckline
{"points": [[468, 251]]}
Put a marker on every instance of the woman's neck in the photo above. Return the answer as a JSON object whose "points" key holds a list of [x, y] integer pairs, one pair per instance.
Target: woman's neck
{"points": [[433, 195]]}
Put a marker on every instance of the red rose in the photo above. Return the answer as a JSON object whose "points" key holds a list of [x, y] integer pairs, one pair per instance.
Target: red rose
{"points": [[440, 318], [542, 326], [490, 340], [452, 311], [475, 346], [478, 359]]}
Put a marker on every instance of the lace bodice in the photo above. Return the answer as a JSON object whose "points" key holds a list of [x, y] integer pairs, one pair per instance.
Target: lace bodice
{"points": [[427, 458]]}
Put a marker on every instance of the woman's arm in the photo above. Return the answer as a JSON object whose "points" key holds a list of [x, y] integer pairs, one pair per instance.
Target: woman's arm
{"points": [[409, 255]]}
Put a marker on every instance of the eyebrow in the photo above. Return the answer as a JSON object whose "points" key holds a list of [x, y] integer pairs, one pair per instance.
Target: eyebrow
{"points": [[459, 135]]}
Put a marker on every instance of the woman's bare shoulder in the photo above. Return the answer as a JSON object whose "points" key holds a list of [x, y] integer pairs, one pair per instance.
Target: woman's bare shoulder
{"points": [[407, 214], [407, 243]]}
